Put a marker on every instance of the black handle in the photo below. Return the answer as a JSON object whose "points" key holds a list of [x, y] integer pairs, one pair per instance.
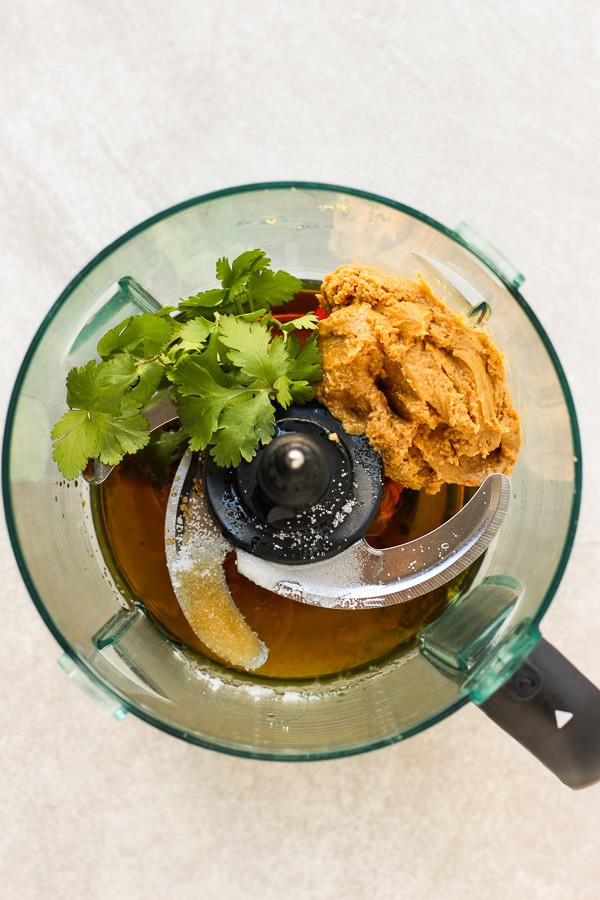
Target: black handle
{"points": [[554, 711]]}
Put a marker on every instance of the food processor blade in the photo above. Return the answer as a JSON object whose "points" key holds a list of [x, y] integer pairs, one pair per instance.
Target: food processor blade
{"points": [[363, 577], [360, 576]]}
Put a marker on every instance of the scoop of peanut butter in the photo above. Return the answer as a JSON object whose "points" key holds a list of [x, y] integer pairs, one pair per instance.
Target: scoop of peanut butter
{"points": [[426, 388]]}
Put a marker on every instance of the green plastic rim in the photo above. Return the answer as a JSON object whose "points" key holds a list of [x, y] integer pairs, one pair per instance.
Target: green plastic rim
{"points": [[143, 226]]}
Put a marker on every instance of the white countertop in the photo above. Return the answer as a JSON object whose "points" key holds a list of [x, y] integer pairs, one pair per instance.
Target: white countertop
{"points": [[486, 112]]}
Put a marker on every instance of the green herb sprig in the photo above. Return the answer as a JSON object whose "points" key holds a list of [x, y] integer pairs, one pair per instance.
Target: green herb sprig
{"points": [[226, 360]]}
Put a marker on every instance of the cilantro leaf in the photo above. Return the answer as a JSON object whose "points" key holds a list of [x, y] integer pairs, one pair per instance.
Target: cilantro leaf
{"points": [[255, 316], [81, 386], [212, 359], [103, 420], [282, 387], [242, 267], [76, 439], [198, 420], [242, 427], [193, 379], [151, 376], [235, 278], [223, 271], [266, 288], [247, 285], [247, 343], [82, 434], [202, 304], [262, 359], [193, 335], [307, 361], [118, 435], [101, 385], [301, 391], [144, 336], [301, 323], [200, 401]]}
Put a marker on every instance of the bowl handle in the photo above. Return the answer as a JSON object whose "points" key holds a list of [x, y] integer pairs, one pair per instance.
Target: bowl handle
{"points": [[554, 711]]}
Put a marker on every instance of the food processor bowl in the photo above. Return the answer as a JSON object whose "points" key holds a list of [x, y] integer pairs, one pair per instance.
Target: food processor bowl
{"points": [[111, 644]]}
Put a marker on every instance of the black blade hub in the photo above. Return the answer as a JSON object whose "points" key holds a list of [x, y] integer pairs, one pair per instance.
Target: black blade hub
{"points": [[309, 494]]}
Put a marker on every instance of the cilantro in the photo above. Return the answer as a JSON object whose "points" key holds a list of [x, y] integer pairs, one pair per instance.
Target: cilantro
{"points": [[76, 438], [193, 335], [150, 379], [306, 360], [308, 320], [242, 427], [142, 336], [248, 285], [201, 401], [225, 359], [118, 435], [251, 349], [236, 413]]}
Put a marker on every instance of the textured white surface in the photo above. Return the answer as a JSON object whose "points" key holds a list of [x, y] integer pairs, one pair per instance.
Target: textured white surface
{"points": [[486, 111]]}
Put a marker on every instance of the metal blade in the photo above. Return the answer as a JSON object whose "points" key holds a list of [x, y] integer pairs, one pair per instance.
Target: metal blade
{"points": [[362, 577]]}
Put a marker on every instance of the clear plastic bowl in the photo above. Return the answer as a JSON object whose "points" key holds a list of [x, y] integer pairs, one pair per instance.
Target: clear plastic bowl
{"points": [[123, 657]]}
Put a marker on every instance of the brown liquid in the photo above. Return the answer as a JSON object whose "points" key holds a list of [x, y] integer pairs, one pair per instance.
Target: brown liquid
{"points": [[304, 641]]}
